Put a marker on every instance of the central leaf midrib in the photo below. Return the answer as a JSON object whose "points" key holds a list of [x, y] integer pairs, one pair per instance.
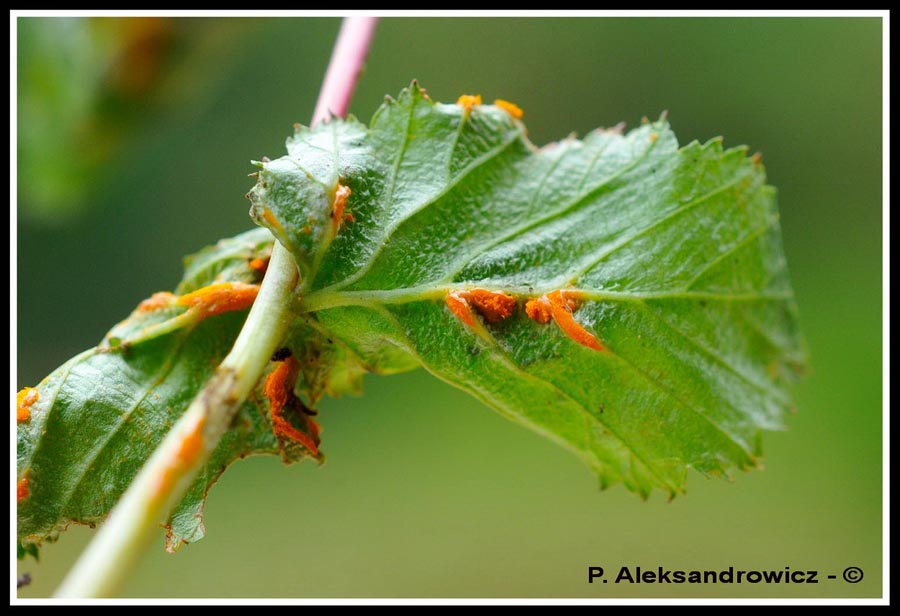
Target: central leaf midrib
{"points": [[325, 299]]}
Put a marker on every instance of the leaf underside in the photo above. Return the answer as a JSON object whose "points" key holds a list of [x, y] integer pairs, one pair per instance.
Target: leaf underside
{"points": [[672, 258]]}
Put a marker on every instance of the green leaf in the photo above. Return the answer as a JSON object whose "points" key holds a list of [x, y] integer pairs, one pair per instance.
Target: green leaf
{"points": [[626, 298], [674, 257], [98, 417]]}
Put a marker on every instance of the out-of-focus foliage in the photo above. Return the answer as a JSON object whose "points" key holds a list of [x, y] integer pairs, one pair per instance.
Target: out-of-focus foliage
{"points": [[83, 85]]}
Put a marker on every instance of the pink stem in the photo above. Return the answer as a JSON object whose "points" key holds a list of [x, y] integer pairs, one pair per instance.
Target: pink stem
{"points": [[345, 66]]}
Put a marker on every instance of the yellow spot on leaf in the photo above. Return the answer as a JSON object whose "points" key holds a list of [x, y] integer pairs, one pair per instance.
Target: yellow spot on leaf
{"points": [[467, 101], [510, 108], [25, 399], [270, 218]]}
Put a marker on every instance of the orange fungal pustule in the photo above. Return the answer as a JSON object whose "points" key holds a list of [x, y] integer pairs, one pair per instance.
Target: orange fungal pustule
{"points": [[279, 386], [22, 490], [284, 430], [493, 306], [340, 202], [259, 264], [510, 108], [467, 101], [220, 297], [279, 389], [460, 307], [24, 399], [538, 309], [570, 299], [559, 305], [562, 314]]}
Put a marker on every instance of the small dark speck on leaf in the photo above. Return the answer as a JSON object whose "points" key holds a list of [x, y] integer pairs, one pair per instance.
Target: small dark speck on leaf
{"points": [[474, 350], [702, 303]]}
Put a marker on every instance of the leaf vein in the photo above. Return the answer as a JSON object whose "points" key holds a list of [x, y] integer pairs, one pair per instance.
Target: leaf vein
{"points": [[747, 240], [657, 223], [98, 449]]}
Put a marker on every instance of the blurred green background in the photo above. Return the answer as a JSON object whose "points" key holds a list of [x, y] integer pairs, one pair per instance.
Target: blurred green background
{"points": [[134, 146]]}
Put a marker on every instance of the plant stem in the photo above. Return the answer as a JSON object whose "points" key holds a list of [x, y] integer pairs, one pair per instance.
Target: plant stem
{"points": [[169, 472], [345, 67], [167, 475]]}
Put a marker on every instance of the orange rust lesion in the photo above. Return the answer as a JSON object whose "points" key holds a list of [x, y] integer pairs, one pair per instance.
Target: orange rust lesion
{"points": [[24, 399], [269, 217], [538, 309], [157, 301], [337, 209], [191, 446], [468, 101], [22, 489], [190, 449], [259, 264], [493, 306], [460, 308], [279, 389], [220, 297], [279, 384], [560, 306], [510, 108]]}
